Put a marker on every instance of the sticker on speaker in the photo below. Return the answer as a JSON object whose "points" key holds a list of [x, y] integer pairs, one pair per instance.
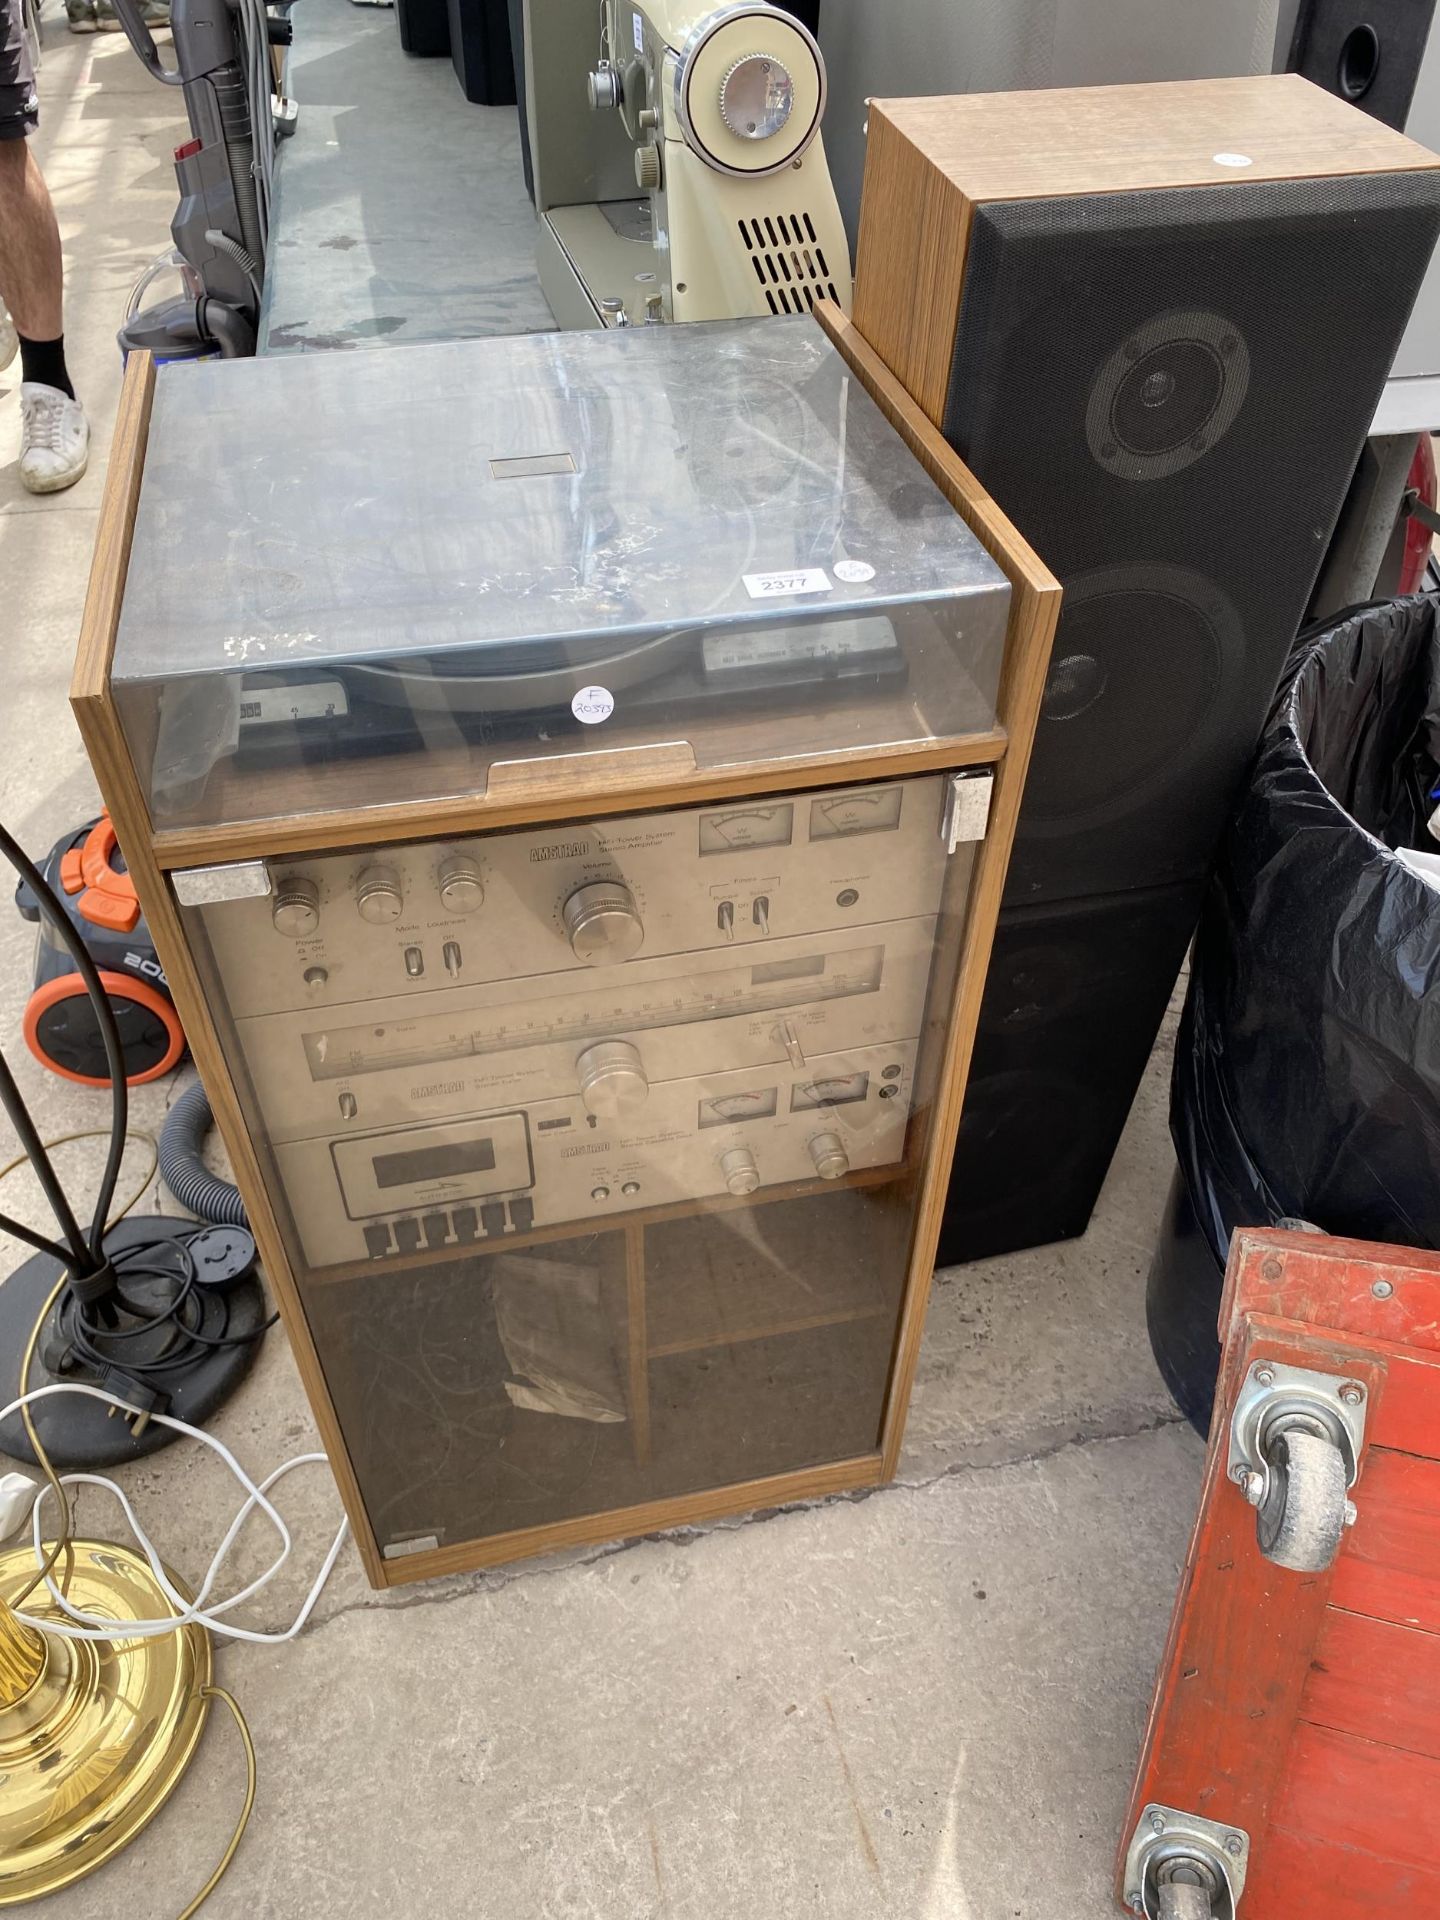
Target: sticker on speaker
{"points": [[1167, 394]]}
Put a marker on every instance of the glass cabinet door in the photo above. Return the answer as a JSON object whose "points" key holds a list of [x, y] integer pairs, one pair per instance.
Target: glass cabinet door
{"points": [[595, 1147]]}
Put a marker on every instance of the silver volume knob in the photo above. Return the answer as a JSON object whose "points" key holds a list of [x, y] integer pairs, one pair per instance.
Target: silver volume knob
{"points": [[740, 1171], [461, 888], [827, 1150], [378, 896], [296, 906], [603, 923], [612, 1079]]}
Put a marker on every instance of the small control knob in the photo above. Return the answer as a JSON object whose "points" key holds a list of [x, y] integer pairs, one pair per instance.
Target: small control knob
{"points": [[612, 1079], [827, 1150], [603, 88], [296, 906], [603, 923], [647, 167], [378, 896], [740, 1171], [461, 888]]}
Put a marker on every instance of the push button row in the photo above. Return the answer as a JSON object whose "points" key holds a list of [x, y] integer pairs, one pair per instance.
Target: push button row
{"points": [[466, 1224]]}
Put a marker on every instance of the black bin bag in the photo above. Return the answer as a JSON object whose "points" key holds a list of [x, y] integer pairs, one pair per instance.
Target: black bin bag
{"points": [[1307, 1072]]}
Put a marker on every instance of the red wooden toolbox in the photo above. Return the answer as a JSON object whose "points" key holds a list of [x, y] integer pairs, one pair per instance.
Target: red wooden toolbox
{"points": [[1291, 1764]]}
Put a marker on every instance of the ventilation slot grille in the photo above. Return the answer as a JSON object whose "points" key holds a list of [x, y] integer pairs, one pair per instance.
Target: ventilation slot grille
{"points": [[789, 261]]}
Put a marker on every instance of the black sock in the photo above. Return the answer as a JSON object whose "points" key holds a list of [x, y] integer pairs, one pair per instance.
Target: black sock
{"points": [[44, 362]]}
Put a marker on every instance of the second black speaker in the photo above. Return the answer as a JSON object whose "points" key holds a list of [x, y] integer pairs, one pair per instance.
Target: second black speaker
{"points": [[1156, 322]]}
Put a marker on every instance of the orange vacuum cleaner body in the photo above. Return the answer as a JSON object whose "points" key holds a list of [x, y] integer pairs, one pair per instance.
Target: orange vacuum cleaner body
{"points": [[87, 873]]}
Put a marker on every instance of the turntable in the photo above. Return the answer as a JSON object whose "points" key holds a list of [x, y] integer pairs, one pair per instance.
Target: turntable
{"points": [[569, 781]]}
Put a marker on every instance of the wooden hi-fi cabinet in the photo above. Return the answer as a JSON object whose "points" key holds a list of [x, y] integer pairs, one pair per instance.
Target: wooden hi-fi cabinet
{"points": [[585, 1007]]}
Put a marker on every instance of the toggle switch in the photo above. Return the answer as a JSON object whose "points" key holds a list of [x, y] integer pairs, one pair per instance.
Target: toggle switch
{"points": [[789, 1039], [725, 918], [452, 958], [348, 1106], [414, 962], [760, 912]]}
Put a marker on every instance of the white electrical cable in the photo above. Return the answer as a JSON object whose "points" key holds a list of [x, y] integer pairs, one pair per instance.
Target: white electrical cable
{"points": [[91, 1626]]}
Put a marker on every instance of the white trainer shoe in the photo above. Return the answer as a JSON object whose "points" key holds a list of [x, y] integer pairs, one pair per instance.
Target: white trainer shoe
{"points": [[54, 439], [9, 340]]}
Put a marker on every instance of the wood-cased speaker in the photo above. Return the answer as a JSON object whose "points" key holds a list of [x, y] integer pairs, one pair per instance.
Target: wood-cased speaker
{"points": [[1155, 321]]}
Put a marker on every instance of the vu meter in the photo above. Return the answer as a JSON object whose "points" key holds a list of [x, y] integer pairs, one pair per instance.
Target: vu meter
{"points": [[757, 826]]}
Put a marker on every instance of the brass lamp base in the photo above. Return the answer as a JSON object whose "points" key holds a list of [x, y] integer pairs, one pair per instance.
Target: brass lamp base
{"points": [[94, 1735]]}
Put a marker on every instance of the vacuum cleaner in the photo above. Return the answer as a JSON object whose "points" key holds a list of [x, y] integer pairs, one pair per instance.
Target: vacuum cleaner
{"points": [[87, 874], [225, 173]]}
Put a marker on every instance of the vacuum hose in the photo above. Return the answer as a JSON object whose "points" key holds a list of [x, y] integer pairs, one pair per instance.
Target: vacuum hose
{"points": [[228, 328], [185, 1172], [233, 99]]}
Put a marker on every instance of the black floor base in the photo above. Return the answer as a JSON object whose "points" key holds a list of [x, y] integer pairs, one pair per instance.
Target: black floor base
{"points": [[77, 1432]]}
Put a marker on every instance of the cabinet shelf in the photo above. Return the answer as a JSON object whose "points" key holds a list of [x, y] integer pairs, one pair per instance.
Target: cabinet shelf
{"points": [[759, 1283]]}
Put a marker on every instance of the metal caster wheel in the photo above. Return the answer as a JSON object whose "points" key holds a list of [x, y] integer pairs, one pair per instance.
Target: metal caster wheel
{"points": [[1302, 1517], [1180, 1866]]}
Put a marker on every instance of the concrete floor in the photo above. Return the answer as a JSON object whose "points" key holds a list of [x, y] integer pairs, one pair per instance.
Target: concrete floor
{"points": [[355, 264], [924, 1702]]}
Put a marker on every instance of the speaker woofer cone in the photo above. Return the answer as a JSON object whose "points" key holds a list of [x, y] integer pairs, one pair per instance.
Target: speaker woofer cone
{"points": [[1167, 394], [1147, 665]]}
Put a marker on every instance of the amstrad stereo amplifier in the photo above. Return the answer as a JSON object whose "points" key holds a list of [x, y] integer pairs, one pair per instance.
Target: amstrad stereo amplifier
{"points": [[569, 782]]}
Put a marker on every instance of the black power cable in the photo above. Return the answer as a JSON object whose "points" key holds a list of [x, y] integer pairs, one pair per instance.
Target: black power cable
{"points": [[103, 1313], [90, 1254]]}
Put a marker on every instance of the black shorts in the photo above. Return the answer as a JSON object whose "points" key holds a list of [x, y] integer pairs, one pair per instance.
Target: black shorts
{"points": [[19, 102]]}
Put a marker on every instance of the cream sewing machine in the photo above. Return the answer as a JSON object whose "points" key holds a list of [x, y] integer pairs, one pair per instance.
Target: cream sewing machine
{"points": [[693, 185]]}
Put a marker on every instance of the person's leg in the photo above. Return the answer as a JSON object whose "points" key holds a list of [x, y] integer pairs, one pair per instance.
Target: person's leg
{"points": [[54, 436], [31, 283]]}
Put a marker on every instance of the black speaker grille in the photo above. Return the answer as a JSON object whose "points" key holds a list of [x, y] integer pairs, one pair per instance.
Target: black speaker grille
{"points": [[1167, 392], [1074, 997], [1366, 51]]}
